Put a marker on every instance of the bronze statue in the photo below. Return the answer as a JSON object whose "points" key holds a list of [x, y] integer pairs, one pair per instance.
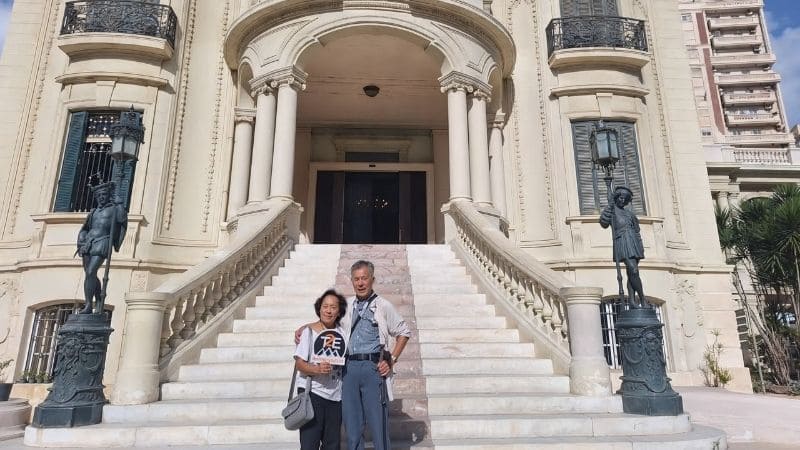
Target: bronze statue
{"points": [[628, 247], [105, 224]]}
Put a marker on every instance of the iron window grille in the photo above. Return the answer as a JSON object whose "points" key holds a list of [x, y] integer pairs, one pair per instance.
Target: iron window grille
{"points": [[86, 160], [120, 16], [43, 340], [596, 31], [609, 311]]}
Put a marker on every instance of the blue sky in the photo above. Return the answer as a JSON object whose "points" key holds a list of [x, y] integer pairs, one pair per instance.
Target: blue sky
{"points": [[782, 19]]}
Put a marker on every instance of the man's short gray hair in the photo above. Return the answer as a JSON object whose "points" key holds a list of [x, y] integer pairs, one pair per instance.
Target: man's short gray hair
{"points": [[360, 264]]}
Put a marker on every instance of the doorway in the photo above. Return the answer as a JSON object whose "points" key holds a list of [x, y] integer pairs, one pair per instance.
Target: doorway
{"points": [[354, 207]]}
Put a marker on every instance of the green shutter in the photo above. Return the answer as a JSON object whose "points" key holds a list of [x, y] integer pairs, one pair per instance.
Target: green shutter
{"points": [[592, 193], [571, 8], [69, 165]]}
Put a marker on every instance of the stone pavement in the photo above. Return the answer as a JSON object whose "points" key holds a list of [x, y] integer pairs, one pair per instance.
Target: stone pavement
{"points": [[753, 422]]}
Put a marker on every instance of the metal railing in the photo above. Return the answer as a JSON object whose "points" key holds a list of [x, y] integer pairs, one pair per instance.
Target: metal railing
{"points": [[596, 31], [120, 16]]}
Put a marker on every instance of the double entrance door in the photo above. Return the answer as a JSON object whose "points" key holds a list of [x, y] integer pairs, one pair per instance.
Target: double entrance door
{"points": [[370, 208]]}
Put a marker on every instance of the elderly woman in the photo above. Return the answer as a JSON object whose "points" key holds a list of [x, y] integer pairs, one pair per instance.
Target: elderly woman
{"points": [[322, 432]]}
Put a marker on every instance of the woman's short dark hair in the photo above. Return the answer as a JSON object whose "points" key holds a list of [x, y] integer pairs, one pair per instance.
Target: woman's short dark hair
{"points": [[342, 304]]}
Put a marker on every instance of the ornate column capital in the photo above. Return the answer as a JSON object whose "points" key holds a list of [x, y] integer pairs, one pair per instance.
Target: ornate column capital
{"points": [[244, 115], [466, 83], [291, 76], [482, 94], [259, 86]]}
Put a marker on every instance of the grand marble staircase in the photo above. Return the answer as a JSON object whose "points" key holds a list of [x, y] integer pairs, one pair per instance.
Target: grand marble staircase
{"points": [[465, 381]]}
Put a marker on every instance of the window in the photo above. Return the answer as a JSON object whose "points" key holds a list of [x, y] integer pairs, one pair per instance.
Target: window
{"points": [[609, 310], [686, 17], [86, 159], [592, 192], [571, 8], [44, 331]]}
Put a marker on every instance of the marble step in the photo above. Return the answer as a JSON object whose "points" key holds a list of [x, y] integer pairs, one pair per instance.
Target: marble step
{"points": [[561, 425], [469, 335], [276, 387], [269, 325], [265, 338], [699, 438], [280, 370], [475, 350], [438, 323], [443, 288], [450, 299], [502, 384], [520, 403], [487, 366], [446, 309], [240, 354]]}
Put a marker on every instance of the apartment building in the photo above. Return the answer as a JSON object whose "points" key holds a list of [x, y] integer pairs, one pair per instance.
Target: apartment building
{"points": [[746, 136]]}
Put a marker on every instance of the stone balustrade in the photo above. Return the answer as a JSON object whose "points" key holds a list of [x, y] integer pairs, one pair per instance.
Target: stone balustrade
{"points": [[164, 324], [564, 319]]}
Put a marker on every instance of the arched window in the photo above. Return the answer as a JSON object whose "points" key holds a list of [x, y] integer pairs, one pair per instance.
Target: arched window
{"points": [[609, 311], [42, 344], [571, 8]]}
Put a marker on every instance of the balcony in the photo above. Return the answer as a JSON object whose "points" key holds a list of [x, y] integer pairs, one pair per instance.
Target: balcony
{"points": [[736, 41], [754, 98], [762, 156], [118, 25], [733, 5], [747, 79], [743, 60], [596, 31], [759, 139], [726, 23], [752, 119]]}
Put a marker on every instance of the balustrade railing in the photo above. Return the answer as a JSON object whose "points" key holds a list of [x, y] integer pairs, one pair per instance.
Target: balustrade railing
{"points": [[120, 16], [596, 31], [202, 292], [532, 287], [762, 156]]}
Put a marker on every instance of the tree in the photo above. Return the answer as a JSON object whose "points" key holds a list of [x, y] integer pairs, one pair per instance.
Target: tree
{"points": [[762, 239]]}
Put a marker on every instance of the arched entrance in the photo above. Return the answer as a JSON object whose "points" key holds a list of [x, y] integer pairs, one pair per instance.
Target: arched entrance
{"points": [[376, 164]]}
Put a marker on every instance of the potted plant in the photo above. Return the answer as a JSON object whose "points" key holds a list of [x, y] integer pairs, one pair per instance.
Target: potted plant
{"points": [[5, 388]]}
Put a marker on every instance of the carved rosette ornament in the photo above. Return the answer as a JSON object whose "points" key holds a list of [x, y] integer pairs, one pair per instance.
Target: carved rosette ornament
{"points": [[76, 397], [646, 389]]}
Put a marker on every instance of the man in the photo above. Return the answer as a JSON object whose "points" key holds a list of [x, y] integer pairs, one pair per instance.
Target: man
{"points": [[628, 246], [95, 241], [371, 322], [366, 392]]}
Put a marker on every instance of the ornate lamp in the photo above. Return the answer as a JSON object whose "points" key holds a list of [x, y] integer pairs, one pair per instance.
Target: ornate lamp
{"points": [[605, 148], [126, 135]]}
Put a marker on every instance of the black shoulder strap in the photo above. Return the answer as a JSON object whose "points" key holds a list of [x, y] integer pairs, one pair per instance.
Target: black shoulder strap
{"points": [[358, 316]]}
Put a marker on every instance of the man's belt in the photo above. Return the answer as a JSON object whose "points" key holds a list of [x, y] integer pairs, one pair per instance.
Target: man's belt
{"points": [[374, 357]]}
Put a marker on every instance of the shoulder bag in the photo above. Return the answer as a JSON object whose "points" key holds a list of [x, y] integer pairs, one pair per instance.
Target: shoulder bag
{"points": [[299, 410]]}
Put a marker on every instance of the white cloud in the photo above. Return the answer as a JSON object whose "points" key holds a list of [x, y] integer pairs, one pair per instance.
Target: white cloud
{"points": [[785, 46], [5, 15]]}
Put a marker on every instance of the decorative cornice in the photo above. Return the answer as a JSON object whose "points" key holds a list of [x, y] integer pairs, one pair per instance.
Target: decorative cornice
{"points": [[244, 115]]}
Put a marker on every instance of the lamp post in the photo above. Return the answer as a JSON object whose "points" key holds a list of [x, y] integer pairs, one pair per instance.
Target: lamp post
{"points": [[604, 144], [645, 386], [76, 397]]}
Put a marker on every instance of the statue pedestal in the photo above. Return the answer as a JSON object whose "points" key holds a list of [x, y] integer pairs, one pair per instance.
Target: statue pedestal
{"points": [[76, 397], [645, 387], [14, 415]]}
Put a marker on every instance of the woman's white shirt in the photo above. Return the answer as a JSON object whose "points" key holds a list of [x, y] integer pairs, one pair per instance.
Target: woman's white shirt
{"points": [[328, 386]]}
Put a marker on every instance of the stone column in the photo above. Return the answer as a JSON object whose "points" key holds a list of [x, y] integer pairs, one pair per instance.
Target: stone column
{"points": [[722, 200], [263, 141], [138, 376], [242, 152], [458, 133], [289, 82], [588, 371], [497, 167], [479, 149]]}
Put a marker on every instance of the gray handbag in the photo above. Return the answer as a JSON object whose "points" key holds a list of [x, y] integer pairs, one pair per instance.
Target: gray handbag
{"points": [[299, 410]]}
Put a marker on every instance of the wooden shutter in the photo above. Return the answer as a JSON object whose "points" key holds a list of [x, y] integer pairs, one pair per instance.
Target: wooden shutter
{"points": [[592, 193], [69, 165], [571, 8]]}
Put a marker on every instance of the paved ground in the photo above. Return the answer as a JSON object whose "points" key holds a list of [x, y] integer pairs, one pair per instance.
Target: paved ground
{"points": [[752, 422]]}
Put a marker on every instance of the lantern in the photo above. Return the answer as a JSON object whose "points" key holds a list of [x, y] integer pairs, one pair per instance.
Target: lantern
{"points": [[126, 135]]}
